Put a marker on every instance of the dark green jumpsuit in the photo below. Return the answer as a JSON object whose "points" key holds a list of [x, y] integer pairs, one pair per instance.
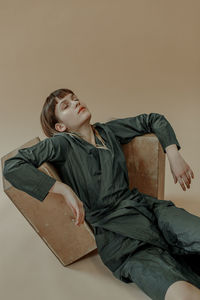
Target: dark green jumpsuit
{"points": [[139, 238]]}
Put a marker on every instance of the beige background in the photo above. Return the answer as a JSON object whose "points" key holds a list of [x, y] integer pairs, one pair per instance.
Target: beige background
{"points": [[122, 58]]}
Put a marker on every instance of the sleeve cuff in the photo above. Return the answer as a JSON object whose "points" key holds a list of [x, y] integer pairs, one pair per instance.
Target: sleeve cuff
{"points": [[41, 191]]}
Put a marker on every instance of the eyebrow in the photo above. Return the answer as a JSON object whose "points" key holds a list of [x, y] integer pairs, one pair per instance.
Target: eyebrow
{"points": [[61, 102]]}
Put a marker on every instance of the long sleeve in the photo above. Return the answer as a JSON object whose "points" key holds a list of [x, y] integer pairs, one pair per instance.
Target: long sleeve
{"points": [[21, 170], [125, 129]]}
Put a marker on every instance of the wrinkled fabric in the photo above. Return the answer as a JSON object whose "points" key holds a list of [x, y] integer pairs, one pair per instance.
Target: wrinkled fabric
{"points": [[155, 268], [136, 234]]}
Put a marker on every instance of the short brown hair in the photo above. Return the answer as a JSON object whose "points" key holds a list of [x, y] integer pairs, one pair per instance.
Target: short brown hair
{"points": [[47, 116]]}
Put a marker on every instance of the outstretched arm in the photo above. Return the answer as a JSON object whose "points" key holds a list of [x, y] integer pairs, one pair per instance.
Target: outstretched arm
{"points": [[181, 171]]}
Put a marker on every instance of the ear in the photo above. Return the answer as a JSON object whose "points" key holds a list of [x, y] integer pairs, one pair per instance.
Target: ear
{"points": [[60, 127]]}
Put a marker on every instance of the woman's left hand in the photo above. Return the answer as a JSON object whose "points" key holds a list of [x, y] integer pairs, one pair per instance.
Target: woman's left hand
{"points": [[181, 171]]}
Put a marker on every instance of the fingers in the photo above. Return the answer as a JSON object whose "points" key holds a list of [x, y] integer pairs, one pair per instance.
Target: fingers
{"points": [[83, 217], [182, 180], [77, 217], [80, 215], [186, 178], [175, 178], [78, 212], [191, 173]]}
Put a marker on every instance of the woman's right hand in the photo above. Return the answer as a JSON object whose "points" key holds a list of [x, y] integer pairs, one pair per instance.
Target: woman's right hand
{"points": [[76, 206], [71, 199]]}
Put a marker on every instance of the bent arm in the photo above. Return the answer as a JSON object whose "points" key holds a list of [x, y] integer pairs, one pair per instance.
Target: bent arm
{"points": [[21, 170], [125, 129]]}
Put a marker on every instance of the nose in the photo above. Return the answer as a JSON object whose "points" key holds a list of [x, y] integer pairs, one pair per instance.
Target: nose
{"points": [[76, 103]]}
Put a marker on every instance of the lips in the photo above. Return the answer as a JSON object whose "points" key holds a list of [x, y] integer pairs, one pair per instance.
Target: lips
{"points": [[82, 107]]}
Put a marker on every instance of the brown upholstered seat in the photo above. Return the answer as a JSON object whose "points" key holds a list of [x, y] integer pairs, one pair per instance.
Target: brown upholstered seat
{"points": [[52, 218]]}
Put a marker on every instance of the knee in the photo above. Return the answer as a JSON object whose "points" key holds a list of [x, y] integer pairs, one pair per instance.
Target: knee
{"points": [[182, 290]]}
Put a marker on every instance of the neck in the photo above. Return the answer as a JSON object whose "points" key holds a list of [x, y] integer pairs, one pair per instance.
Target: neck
{"points": [[87, 133]]}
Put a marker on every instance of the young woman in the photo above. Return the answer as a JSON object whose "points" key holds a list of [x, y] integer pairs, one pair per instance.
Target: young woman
{"points": [[139, 238]]}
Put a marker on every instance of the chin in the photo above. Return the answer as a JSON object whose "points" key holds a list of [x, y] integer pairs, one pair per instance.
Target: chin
{"points": [[88, 116], [87, 113]]}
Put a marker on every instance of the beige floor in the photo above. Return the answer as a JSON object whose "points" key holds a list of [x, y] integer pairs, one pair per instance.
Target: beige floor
{"points": [[29, 270]]}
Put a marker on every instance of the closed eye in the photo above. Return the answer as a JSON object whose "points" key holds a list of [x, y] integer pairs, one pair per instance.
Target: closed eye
{"points": [[64, 106]]}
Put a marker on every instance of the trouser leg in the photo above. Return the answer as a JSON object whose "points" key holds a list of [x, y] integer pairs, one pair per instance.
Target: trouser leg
{"points": [[154, 269], [180, 228]]}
